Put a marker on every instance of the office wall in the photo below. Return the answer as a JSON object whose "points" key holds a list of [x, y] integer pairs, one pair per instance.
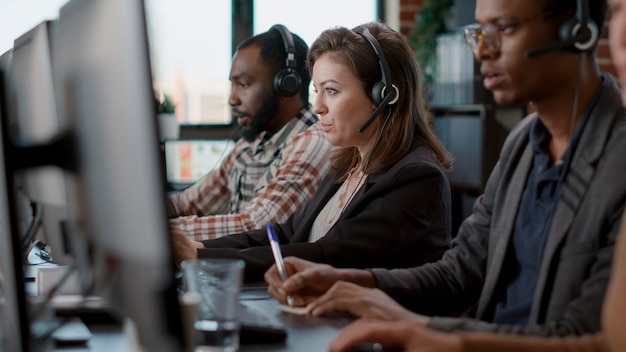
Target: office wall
{"points": [[407, 21]]}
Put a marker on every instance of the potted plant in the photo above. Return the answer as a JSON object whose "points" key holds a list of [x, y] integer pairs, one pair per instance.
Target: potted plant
{"points": [[166, 106], [430, 21], [166, 114]]}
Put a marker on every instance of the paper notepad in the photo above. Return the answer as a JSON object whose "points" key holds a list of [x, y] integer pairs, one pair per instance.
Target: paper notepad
{"points": [[293, 310]]}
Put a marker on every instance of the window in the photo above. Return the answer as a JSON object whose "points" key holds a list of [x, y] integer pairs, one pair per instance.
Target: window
{"points": [[191, 53], [19, 16], [309, 21], [191, 41]]}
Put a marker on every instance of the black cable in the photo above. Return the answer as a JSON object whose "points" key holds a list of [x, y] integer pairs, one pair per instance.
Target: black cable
{"points": [[570, 157], [33, 228], [575, 106]]}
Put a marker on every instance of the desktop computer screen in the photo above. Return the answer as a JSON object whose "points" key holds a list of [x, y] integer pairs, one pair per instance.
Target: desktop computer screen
{"points": [[106, 141], [13, 324], [103, 82], [34, 114], [33, 120], [189, 160]]}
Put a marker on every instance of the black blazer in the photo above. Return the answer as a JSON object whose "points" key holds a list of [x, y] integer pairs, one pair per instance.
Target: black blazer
{"points": [[399, 218]]}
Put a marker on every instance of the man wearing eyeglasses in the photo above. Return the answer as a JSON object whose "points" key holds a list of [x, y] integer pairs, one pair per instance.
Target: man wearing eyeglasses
{"points": [[534, 257]]}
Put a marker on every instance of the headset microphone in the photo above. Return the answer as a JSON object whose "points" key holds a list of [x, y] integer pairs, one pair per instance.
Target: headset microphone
{"points": [[577, 34], [378, 109], [549, 48], [380, 92]]}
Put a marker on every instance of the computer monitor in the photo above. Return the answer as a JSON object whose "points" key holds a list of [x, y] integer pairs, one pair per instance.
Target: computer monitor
{"points": [[188, 160], [34, 150], [103, 83], [35, 117], [32, 121], [13, 322]]}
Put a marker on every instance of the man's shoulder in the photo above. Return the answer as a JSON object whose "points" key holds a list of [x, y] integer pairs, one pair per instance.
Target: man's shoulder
{"points": [[308, 143], [315, 129], [313, 132]]}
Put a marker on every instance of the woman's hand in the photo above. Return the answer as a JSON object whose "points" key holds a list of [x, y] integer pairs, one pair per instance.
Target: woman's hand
{"points": [[404, 335], [361, 302], [305, 282]]}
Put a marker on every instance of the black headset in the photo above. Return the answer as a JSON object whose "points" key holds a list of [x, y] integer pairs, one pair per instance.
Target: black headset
{"points": [[380, 92], [287, 81], [579, 33]]}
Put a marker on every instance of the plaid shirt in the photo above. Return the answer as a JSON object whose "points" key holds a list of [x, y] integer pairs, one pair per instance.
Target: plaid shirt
{"points": [[259, 182]]}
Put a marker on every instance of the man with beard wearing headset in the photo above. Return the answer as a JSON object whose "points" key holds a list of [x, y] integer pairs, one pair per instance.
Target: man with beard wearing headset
{"points": [[282, 156]]}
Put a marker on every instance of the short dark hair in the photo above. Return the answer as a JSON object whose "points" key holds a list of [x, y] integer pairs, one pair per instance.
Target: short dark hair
{"points": [[274, 55]]}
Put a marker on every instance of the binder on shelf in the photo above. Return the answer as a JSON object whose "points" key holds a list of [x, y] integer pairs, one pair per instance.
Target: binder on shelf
{"points": [[457, 80]]}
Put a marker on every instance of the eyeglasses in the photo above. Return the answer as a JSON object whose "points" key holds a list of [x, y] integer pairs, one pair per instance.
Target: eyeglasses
{"points": [[488, 33], [491, 34]]}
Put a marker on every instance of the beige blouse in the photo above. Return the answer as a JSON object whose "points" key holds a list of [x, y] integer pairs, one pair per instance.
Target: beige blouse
{"points": [[335, 206]]}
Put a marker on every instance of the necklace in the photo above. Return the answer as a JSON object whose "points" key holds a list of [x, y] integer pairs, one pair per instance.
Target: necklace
{"points": [[352, 185], [336, 205]]}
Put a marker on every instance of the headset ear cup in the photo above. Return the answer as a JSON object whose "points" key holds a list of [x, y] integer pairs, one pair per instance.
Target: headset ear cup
{"points": [[396, 97], [377, 92], [287, 82], [567, 31], [380, 92], [571, 28]]}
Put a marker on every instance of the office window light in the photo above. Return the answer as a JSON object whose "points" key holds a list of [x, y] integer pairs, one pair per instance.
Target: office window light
{"points": [[191, 53]]}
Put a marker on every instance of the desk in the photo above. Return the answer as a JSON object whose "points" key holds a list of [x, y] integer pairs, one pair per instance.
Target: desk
{"points": [[304, 333], [106, 338]]}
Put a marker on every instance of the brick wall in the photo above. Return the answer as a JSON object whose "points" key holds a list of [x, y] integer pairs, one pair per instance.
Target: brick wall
{"points": [[407, 20]]}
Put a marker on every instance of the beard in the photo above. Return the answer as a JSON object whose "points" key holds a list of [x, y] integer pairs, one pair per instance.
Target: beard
{"points": [[260, 121]]}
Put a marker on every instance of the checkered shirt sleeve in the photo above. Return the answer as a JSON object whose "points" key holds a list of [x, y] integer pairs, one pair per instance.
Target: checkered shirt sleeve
{"points": [[287, 183]]}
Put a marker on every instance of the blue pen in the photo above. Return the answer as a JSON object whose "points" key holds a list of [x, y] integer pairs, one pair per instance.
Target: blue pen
{"points": [[278, 258]]}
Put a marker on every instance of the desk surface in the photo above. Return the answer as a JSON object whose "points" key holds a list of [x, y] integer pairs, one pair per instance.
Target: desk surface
{"points": [[106, 338], [304, 333]]}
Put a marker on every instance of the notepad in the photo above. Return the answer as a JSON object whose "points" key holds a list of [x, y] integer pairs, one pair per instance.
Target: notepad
{"points": [[293, 310]]}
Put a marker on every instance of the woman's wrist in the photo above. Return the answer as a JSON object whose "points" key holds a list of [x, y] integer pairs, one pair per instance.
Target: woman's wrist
{"points": [[360, 277]]}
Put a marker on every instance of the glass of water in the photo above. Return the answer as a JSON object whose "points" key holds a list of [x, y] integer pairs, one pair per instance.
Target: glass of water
{"points": [[216, 284]]}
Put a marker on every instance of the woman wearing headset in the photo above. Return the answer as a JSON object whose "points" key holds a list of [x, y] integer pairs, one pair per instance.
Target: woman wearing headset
{"points": [[386, 201]]}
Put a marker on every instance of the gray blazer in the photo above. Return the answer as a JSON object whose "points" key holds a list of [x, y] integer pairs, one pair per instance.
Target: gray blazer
{"points": [[577, 259]]}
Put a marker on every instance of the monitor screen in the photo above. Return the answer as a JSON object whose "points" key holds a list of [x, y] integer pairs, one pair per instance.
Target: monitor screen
{"points": [[13, 323], [33, 120], [103, 83], [187, 161], [33, 113], [108, 146]]}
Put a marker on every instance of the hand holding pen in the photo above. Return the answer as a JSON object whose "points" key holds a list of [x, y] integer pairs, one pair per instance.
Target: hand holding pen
{"points": [[278, 258]]}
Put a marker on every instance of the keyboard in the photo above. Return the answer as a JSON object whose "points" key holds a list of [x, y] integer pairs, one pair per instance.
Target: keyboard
{"points": [[72, 332], [257, 328]]}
